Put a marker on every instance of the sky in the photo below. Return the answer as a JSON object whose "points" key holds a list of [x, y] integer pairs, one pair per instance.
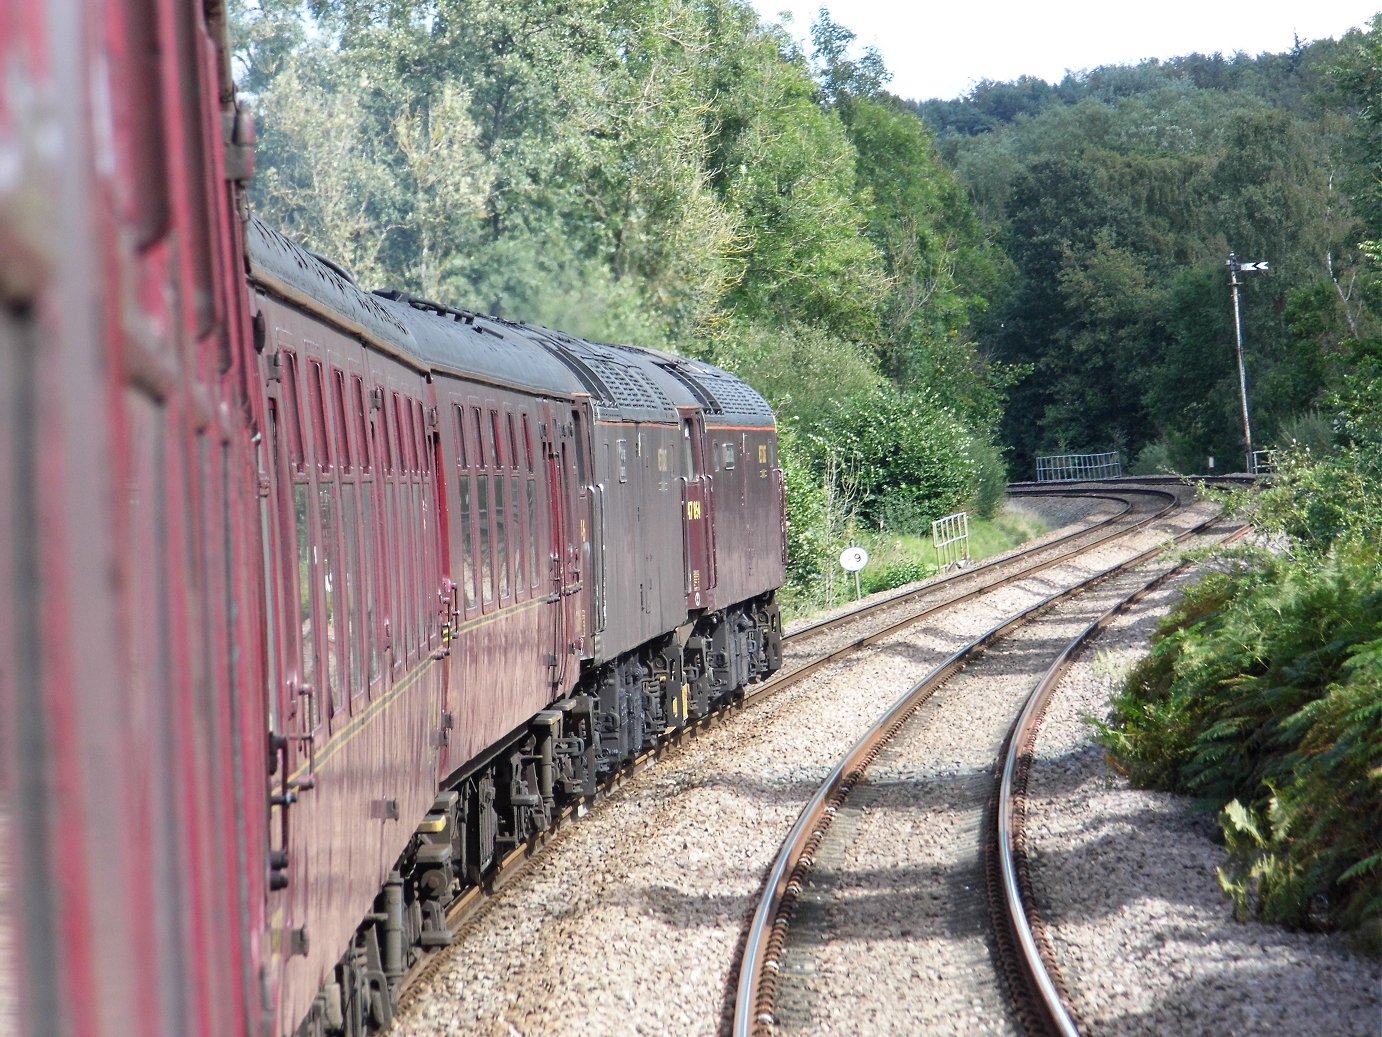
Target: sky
{"points": [[942, 48]]}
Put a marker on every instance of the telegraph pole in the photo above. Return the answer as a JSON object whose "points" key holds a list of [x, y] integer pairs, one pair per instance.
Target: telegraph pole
{"points": [[1234, 269]]}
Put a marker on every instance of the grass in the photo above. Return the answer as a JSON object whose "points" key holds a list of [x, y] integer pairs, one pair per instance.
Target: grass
{"points": [[899, 559]]}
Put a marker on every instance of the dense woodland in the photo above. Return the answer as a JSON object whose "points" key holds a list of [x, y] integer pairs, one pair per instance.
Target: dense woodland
{"points": [[930, 294]]}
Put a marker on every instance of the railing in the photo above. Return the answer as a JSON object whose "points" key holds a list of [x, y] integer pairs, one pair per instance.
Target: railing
{"points": [[950, 538], [1079, 467]]}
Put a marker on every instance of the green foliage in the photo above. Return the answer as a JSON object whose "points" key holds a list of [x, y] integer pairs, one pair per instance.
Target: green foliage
{"points": [[1152, 459], [1119, 195], [1356, 73], [808, 542], [786, 167], [1319, 499], [990, 478], [803, 371], [1265, 695], [896, 449], [895, 574], [1312, 431]]}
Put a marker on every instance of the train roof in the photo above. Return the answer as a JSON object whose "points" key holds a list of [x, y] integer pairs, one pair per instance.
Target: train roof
{"points": [[629, 383]]}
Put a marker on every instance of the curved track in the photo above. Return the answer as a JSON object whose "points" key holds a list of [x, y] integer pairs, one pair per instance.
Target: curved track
{"points": [[767, 957], [811, 648]]}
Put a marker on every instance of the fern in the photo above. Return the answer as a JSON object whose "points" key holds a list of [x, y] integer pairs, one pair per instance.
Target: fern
{"points": [[1263, 696]]}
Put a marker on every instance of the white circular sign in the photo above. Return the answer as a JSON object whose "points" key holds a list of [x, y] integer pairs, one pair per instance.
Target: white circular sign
{"points": [[853, 559]]}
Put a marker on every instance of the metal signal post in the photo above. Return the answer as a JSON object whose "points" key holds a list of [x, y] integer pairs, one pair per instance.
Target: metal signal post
{"points": [[1234, 269]]}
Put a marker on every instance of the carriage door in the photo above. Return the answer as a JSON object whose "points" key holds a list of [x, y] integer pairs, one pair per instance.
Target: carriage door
{"points": [[697, 507], [552, 460]]}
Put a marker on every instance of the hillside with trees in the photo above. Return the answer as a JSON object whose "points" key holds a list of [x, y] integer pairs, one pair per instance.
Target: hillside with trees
{"points": [[1118, 196], [929, 294]]}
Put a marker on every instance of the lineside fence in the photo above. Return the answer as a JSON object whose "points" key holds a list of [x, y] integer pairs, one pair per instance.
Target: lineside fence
{"points": [[1079, 467], [950, 538]]}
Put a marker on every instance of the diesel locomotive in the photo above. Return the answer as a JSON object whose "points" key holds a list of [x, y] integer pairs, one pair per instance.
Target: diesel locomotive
{"points": [[314, 601]]}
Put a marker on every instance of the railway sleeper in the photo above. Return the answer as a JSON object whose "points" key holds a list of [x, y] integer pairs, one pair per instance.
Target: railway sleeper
{"points": [[620, 709]]}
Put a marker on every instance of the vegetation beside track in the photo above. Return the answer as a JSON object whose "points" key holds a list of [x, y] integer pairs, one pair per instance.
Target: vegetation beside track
{"points": [[897, 558], [1263, 693]]}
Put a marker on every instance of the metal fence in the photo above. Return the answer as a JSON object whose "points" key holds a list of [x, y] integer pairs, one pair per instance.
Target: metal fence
{"points": [[1263, 461], [950, 538], [1068, 467]]}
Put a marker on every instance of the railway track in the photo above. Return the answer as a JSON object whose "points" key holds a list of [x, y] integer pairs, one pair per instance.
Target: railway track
{"points": [[473, 910], [994, 981]]}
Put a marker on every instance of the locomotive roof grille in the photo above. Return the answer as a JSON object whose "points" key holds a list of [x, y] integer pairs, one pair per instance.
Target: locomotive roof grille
{"points": [[739, 398], [612, 383], [599, 391], [703, 396], [632, 387]]}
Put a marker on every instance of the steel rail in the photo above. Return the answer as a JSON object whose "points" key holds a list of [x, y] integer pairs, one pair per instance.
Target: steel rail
{"points": [[1055, 1016], [786, 678], [474, 898], [766, 938], [1112, 494]]}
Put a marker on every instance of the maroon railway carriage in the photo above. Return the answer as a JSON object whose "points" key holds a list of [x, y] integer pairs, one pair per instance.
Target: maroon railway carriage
{"points": [[503, 562], [132, 777], [313, 603]]}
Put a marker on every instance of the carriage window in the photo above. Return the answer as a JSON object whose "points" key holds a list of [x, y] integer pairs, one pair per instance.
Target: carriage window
{"points": [[467, 544], [330, 582], [424, 457], [513, 443], [320, 429], [291, 417], [350, 572], [623, 461], [343, 450], [396, 589], [370, 629], [406, 461], [501, 543], [579, 426], [361, 424], [381, 429], [729, 455], [306, 574], [527, 443], [533, 564], [461, 461], [407, 573], [516, 536], [495, 439], [482, 534], [479, 437], [423, 563]]}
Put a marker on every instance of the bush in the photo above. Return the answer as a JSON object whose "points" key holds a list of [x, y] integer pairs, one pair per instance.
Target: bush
{"points": [[1263, 697], [808, 540], [895, 574], [1152, 459], [891, 446], [990, 477]]}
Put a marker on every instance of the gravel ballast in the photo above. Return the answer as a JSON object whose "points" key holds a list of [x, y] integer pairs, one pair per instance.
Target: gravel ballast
{"points": [[1125, 883], [630, 921]]}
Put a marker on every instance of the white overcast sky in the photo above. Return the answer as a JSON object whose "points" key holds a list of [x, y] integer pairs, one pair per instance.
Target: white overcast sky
{"points": [[941, 48]]}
